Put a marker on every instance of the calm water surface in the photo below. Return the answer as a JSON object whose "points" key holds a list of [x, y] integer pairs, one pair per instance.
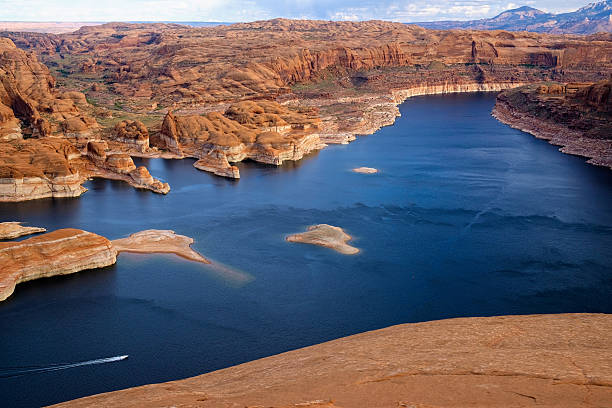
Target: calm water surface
{"points": [[467, 218]]}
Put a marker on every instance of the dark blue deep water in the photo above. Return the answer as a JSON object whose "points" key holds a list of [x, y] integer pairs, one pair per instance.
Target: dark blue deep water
{"points": [[468, 217]]}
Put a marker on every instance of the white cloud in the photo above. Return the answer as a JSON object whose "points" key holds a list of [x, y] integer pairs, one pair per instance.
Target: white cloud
{"points": [[249, 10]]}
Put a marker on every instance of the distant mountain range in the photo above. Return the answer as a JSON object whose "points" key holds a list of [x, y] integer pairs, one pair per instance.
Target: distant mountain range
{"points": [[593, 18]]}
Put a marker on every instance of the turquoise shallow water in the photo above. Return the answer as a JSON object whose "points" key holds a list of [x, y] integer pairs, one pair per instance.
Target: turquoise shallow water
{"points": [[468, 217]]}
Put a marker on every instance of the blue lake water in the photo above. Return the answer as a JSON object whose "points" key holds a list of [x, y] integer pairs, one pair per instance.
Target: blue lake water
{"points": [[468, 217]]}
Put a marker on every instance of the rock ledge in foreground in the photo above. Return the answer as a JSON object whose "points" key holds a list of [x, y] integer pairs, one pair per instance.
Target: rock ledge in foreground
{"points": [[494, 362]]}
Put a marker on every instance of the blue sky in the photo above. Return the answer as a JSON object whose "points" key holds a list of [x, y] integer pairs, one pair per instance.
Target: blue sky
{"points": [[249, 10]]}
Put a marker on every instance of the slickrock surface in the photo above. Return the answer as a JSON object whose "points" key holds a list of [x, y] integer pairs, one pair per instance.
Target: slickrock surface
{"points": [[159, 241], [12, 230], [59, 252], [326, 236], [506, 361], [577, 117], [365, 170]]}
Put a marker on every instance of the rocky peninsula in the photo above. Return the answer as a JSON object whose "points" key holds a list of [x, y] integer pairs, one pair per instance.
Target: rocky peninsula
{"points": [[67, 251], [12, 230], [504, 361], [159, 241], [59, 252], [80, 105], [575, 116], [326, 236]]}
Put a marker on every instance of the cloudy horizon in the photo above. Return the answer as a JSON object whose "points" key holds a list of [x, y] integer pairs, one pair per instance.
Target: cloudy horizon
{"points": [[250, 10]]}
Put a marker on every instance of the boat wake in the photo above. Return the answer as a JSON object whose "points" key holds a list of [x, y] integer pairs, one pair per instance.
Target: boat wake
{"points": [[9, 372]]}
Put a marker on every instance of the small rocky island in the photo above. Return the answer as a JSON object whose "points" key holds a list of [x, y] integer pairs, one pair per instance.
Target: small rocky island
{"points": [[365, 170], [326, 236]]}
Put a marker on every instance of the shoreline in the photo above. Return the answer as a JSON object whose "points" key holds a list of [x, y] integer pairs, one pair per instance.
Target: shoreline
{"points": [[569, 141]]}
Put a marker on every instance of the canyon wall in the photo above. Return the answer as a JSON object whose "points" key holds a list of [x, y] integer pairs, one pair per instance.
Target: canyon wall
{"points": [[577, 117]]}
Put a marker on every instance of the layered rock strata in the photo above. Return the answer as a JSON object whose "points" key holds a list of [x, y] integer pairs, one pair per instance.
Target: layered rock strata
{"points": [[12, 230], [226, 98], [493, 362], [120, 166], [67, 251], [326, 236], [577, 117], [159, 241], [132, 133], [59, 252], [262, 131], [29, 102], [39, 168]]}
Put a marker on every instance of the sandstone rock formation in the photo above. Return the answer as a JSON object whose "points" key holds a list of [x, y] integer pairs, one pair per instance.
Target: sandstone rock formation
{"points": [[70, 250], [59, 252], [159, 241], [119, 166], [29, 102], [265, 131], [577, 117], [365, 170], [217, 95], [493, 362], [326, 236], [216, 162], [39, 168], [133, 133], [12, 230]]}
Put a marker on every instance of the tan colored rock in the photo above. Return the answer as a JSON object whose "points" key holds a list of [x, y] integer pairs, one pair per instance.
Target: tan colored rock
{"points": [[143, 179], [216, 162], [159, 241], [133, 133], [326, 236], [96, 151], [11, 230], [39, 168], [120, 163], [365, 170], [481, 362], [59, 252], [262, 131]]}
